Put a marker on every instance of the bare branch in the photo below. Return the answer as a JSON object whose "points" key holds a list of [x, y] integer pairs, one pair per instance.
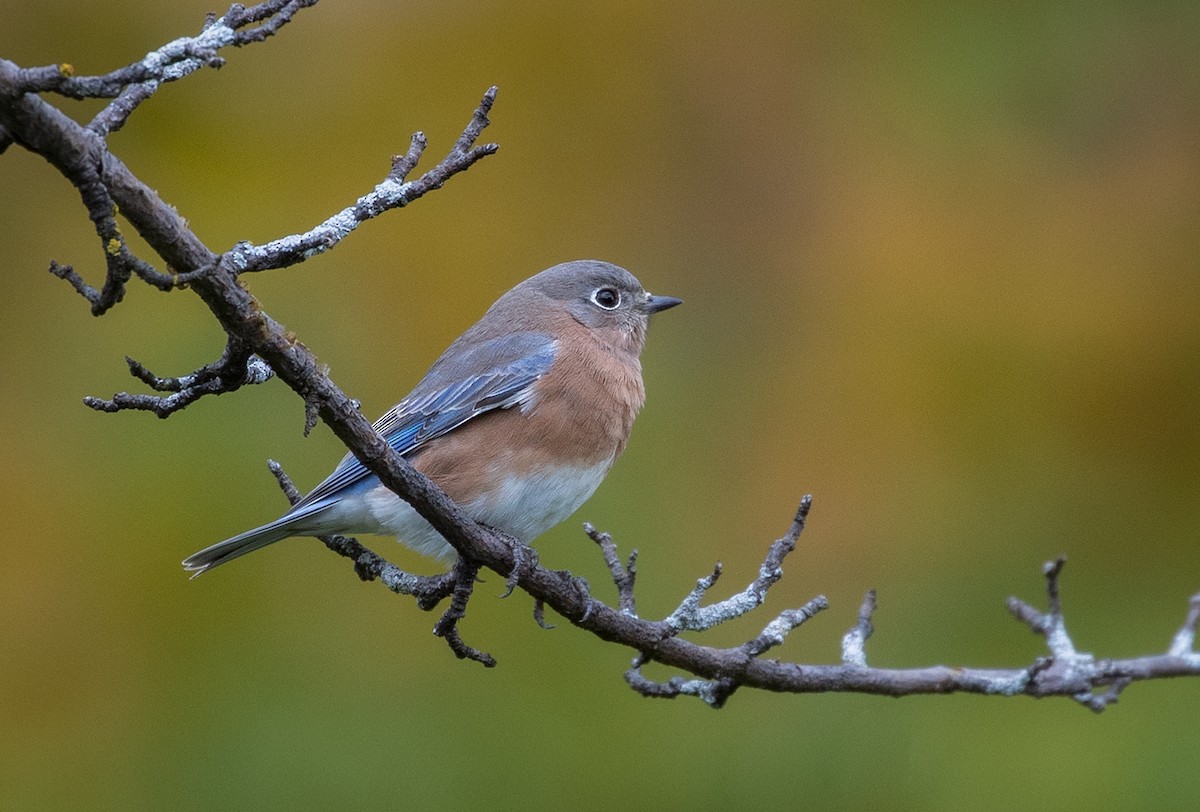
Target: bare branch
{"points": [[133, 84], [691, 616], [1183, 644], [778, 629], [392, 192], [290, 491], [121, 264], [713, 693], [1049, 624], [464, 573], [1077, 674], [623, 576], [854, 644], [403, 164], [237, 367], [276, 14], [258, 345], [84, 164]]}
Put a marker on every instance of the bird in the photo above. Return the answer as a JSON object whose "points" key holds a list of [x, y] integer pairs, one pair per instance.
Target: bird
{"points": [[518, 421]]}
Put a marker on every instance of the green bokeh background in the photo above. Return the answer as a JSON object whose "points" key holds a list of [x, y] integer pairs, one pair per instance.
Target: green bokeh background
{"points": [[942, 270]]}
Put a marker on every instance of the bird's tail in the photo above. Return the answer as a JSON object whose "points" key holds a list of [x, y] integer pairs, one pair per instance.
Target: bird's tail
{"points": [[290, 524]]}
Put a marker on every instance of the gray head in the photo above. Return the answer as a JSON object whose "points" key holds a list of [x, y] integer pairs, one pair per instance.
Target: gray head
{"points": [[599, 295]]}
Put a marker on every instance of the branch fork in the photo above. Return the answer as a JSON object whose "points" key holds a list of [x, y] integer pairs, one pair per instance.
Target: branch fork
{"points": [[691, 616]]}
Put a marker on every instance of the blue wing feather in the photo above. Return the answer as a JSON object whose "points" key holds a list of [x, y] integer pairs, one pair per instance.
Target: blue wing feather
{"points": [[495, 374]]}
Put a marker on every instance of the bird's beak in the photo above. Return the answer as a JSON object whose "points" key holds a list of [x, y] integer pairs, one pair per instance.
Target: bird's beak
{"points": [[653, 304]]}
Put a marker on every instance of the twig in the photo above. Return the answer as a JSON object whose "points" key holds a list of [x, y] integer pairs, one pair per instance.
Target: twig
{"points": [[623, 576], [237, 367], [1065, 666], [1183, 644], [714, 693], [392, 192], [464, 573], [778, 629], [854, 643], [690, 616], [136, 82], [86, 167]]}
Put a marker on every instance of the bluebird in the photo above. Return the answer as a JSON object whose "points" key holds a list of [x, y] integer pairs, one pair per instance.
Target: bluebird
{"points": [[518, 421]]}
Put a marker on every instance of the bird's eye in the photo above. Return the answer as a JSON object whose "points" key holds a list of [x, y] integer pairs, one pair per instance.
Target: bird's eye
{"points": [[607, 298]]}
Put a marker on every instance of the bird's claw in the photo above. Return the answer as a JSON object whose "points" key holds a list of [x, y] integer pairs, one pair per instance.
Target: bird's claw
{"points": [[525, 559]]}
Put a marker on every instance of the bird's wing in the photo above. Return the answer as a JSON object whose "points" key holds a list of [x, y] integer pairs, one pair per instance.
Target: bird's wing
{"points": [[463, 384]]}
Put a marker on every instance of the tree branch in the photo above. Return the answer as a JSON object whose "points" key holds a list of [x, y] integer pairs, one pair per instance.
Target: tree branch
{"points": [[257, 346], [237, 367], [391, 193]]}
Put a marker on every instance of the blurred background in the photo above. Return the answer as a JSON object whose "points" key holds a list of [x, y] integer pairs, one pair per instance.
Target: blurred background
{"points": [[942, 270]]}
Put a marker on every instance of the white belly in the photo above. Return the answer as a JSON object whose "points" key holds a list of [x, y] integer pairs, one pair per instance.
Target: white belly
{"points": [[524, 508]]}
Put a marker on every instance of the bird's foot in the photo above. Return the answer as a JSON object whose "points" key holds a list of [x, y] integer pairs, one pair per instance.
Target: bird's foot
{"points": [[525, 560]]}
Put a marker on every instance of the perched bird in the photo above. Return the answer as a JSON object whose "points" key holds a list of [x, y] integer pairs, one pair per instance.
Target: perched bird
{"points": [[518, 421]]}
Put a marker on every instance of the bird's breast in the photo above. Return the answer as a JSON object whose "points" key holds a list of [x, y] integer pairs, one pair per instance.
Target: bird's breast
{"points": [[527, 468]]}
